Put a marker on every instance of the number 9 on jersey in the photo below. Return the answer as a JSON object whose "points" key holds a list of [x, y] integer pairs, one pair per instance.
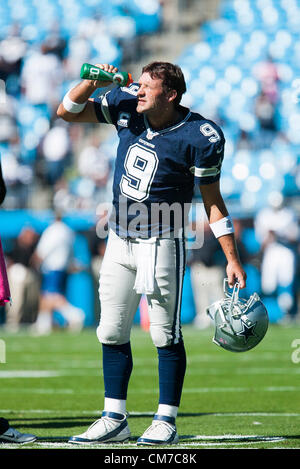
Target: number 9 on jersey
{"points": [[140, 167]]}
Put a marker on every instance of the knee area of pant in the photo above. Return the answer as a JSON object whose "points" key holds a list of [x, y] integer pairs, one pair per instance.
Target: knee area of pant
{"points": [[160, 338], [110, 336]]}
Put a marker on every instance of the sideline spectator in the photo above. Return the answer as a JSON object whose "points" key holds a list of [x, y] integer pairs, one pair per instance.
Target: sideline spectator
{"points": [[23, 280], [267, 73], [55, 151], [53, 255], [278, 229], [12, 51], [265, 112], [48, 68], [207, 267], [207, 273], [8, 124], [55, 43]]}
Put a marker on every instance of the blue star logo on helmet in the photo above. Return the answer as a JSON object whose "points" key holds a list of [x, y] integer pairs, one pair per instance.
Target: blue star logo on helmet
{"points": [[247, 331]]}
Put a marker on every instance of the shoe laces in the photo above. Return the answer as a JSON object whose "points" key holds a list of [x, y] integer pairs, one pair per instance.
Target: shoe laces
{"points": [[160, 428], [108, 424]]}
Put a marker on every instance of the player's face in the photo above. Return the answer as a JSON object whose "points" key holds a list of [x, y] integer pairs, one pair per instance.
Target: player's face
{"points": [[151, 94]]}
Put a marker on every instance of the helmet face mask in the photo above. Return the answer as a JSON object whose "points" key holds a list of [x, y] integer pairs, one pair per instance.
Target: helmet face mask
{"points": [[239, 324]]}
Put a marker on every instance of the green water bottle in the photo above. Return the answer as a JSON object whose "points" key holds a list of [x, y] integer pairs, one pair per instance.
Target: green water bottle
{"points": [[91, 72]]}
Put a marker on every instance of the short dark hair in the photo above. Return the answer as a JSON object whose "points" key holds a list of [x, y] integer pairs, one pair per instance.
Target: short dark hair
{"points": [[171, 76]]}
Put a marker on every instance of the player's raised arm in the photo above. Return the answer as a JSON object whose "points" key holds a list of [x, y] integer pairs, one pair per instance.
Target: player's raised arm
{"points": [[222, 227], [77, 106]]}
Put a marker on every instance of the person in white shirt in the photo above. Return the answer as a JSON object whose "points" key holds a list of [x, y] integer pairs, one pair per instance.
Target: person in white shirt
{"points": [[277, 228], [53, 256], [48, 68]]}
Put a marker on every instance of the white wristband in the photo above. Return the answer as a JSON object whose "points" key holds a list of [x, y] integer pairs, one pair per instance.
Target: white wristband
{"points": [[70, 106], [222, 227]]}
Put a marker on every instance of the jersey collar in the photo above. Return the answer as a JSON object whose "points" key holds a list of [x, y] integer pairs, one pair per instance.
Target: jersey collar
{"points": [[153, 133]]}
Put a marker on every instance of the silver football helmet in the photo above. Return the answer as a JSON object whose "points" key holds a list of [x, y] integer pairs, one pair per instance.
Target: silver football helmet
{"points": [[239, 324]]}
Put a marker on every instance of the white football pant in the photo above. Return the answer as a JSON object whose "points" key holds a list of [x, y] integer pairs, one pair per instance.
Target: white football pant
{"points": [[131, 267]]}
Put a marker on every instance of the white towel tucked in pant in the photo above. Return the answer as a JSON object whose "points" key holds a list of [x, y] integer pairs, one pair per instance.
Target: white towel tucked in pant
{"points": [[144, 282]]}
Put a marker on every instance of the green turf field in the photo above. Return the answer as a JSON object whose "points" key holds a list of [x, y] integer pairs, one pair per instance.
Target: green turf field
{"points": [[52, 387]]}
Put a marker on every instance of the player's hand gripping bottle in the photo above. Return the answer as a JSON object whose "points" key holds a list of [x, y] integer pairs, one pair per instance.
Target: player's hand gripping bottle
{"points": [[91, 72]]}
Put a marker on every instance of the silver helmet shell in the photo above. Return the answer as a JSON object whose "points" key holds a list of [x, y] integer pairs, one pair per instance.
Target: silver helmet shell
{"points": [[239, 324]]}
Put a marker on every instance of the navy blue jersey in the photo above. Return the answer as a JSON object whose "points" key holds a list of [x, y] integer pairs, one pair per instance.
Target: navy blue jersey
{"points": [[156, 169]]}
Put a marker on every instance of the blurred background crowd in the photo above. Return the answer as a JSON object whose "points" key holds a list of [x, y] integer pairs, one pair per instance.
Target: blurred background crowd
{"points": [[241, 61]]}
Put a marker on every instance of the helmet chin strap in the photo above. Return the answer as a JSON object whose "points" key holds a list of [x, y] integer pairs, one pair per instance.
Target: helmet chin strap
{"points": [[235, 310], [235, 290], [233, 306]]}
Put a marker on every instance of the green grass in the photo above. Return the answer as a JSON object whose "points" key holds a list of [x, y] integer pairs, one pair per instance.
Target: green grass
{"points": [[248, 400]]}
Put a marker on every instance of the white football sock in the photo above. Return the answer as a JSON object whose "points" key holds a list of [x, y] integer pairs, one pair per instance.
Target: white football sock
{"points": [[167, 410], [115, 405]]}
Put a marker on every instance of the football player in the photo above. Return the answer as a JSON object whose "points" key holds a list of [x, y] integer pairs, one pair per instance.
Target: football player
{"points": [[163, 148], [9, 434]]}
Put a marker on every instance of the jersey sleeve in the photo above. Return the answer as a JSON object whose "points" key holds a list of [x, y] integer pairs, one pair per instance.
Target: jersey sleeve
{"points": [[207, 156], [109, 105]]}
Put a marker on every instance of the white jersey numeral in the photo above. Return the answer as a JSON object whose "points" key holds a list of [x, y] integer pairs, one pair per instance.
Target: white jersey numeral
{"points": [[140, 166], [208, 131]]}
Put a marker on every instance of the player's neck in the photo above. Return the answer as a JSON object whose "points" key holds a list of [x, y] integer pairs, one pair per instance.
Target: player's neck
{"points": [[163, 120]]}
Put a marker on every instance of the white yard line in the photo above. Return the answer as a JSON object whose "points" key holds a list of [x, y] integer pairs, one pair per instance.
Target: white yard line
{"points": [[77, 369], [204, 441], [266, 389], [147, 413]]}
